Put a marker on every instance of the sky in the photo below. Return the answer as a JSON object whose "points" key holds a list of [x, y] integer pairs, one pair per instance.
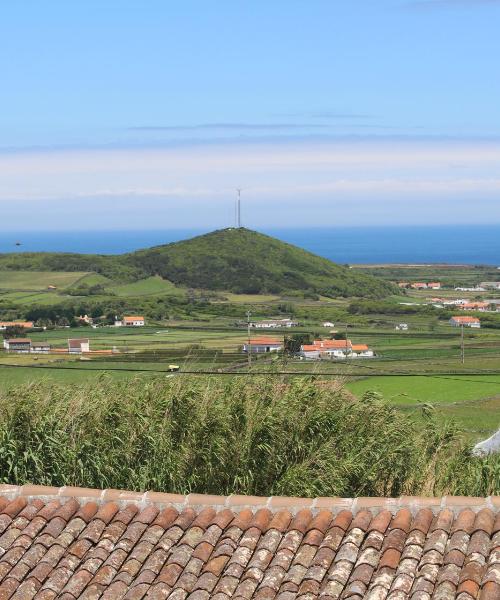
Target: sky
{"points": [[148, 114]]}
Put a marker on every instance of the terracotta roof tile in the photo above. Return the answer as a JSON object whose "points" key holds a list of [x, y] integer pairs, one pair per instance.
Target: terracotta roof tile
{"points": [[176, 547]]}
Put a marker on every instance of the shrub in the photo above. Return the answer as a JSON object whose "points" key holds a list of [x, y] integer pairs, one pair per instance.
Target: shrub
{"points": [[258, 435]]}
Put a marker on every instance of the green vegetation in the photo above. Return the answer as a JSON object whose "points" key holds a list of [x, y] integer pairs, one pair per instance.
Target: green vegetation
{"points": [[233, 260], [262, 435], [38, 280]]}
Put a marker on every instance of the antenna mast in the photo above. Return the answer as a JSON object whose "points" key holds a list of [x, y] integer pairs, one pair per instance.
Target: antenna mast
{"points": [[238, 209]]}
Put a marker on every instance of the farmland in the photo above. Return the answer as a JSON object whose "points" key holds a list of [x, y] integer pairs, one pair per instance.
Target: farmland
{"points": [[199, 331]]}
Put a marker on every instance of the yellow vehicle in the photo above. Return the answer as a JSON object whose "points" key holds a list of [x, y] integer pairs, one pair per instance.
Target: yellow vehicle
{"points": [[172, 368]]}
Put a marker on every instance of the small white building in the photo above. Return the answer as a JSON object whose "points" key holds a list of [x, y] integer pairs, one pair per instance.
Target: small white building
{"points": [[274, 324], [460, 321], [401, 327], [78, 346], [262, 345], [327, 324]]}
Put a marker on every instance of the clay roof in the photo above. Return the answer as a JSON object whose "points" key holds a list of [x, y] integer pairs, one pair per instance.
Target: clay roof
{"points": [[18, 341], [73, 543], [77, 342], [262, 341], [461, 319], [133, 318]]}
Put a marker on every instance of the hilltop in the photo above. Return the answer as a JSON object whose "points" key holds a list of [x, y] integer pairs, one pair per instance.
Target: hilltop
{"points": [[235, 260]]}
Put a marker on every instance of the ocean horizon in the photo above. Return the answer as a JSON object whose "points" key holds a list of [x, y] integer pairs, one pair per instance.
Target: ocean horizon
{"points": [[454, 244]]}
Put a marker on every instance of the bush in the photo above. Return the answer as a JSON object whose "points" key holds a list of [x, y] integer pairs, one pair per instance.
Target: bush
{"points": [[260, 436]]}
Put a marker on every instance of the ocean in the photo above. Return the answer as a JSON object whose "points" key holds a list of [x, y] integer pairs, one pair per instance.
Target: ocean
{"points": [[346, 245]]}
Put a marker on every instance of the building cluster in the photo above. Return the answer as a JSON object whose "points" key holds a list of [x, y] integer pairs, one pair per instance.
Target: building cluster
{"points": [[420, 285], [27, 346], [274, 324], [24, 324], [335, 349]]}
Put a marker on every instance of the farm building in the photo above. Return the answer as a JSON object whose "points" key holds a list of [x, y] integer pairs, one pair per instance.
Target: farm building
{"points": [[77, 346], [40, 347], [19, 345], [261, 345], [24, 324], [133, 321], [465, 322], [480, 306], [335, 349], [274, 324]]}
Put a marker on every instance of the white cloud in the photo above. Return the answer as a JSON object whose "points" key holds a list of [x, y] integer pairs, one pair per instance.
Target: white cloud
{"points": [[196, 183]]}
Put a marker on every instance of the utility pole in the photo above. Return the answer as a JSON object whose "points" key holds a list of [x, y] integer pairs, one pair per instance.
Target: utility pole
{"points": [[249, 347], [238, 209], [462, 345]]}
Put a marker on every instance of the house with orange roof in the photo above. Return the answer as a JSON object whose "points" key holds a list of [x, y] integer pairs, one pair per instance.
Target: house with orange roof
{"points": [[262, 345], [331, 349], [480, 306], [23, 324], [461, 321], [131, 321]]}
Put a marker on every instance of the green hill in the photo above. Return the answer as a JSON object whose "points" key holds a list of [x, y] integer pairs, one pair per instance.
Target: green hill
{"points": [[235, 260]]}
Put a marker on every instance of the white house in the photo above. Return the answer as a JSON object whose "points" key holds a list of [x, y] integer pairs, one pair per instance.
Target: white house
{"points": [[328, 324], [77, 346], [134, 321], [465, 322], [361, 351], [402, 327], [274, 324], [261, 345], [332, 349], [310, 352]]}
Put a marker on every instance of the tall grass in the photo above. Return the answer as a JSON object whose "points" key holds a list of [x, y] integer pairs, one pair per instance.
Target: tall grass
{"points": [[259, 435]]}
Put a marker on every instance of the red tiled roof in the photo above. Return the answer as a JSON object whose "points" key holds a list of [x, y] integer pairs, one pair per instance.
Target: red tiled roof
{"points": [[461, 319], [77, 342], [360, 347], [332, 343], [133, 318], [73, 543], [263, 341]]}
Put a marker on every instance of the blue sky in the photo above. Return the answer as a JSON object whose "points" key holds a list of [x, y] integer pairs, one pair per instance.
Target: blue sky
{"points": [[325, 112]]}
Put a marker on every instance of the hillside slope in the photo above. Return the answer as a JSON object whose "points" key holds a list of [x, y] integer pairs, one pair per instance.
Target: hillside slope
{"points": [[235, 260], [244, 261]]}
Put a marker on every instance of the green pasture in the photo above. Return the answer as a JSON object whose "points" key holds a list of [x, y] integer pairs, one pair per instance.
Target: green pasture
{"points": [[38, 280], [147, 287], [473, 401]]}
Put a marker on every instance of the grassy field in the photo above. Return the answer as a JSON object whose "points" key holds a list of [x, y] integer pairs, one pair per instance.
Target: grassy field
{"points": [[147, 287], [38, 280], [471, 401]]}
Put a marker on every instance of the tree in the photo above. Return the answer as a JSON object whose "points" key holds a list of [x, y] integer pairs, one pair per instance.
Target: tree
{"points": [[13, 332], [295, 341]]}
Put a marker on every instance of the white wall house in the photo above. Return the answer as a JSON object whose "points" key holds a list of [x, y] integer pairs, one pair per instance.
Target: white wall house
{"points": [[465, 322], [262, 345], [274, 324], [134, 321], [77, 346]]}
